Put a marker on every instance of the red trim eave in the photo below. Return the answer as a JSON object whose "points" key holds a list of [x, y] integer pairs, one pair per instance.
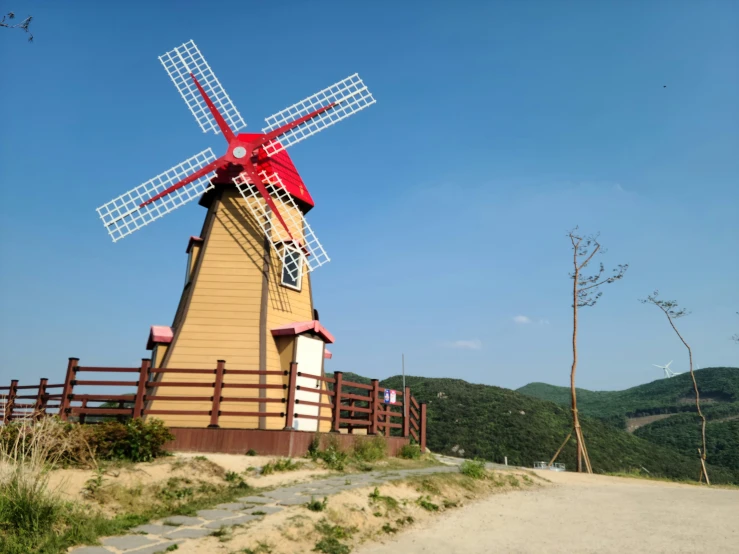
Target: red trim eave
{"points": [[159, 334], [193, 240], [327, 354], [302, 327]]}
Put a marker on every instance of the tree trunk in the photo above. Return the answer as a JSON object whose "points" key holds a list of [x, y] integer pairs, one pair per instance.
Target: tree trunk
{"points": [[702, 452], [575, 418]]}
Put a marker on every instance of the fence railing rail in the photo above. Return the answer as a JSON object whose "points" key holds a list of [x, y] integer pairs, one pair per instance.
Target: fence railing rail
{"points": [[352, 405]]}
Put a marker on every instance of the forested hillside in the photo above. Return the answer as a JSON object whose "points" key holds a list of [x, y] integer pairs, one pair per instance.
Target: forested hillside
{"points": [[492, 422]]}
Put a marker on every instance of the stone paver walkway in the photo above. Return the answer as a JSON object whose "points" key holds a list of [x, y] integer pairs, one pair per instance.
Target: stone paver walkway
{"points": [[157, 536]]}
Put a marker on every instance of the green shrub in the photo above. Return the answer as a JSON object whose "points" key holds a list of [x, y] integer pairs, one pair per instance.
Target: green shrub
{"points": [[370, 449], [473, 468], [251, 452], [317, 505], [332, 455], [410, 452], [136, 440]]}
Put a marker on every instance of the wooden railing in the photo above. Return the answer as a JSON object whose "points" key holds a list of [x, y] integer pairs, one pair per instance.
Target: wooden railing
{"points": [[352, 405]]}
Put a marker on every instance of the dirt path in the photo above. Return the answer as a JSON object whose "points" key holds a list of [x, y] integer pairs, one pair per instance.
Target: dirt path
{"points": [[594, 514]]}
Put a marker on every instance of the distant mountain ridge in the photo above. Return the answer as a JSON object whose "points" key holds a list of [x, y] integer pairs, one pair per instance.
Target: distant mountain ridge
{"points": [[716, 385]]}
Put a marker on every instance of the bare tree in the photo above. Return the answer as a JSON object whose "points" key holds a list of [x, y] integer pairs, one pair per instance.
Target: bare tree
{"points": [[585, 293], [6, 22], [673, 311]]}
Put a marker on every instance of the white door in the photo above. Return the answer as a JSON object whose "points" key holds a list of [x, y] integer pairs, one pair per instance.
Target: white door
{"points": [[309, 357]]}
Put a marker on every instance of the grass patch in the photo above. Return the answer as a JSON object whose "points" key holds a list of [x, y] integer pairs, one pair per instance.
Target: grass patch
{"points": [[283, 464], [331, 537], [223, 533], [426, 504], [389, 502], [262, 547], [473, 468], [35, 519]]}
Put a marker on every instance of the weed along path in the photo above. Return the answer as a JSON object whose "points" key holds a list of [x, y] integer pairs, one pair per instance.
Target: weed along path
{"points": [[583, 513], [330, 513]]}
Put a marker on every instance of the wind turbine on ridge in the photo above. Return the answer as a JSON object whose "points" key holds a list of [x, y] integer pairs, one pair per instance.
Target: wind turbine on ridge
{"points": [[668, 372]]}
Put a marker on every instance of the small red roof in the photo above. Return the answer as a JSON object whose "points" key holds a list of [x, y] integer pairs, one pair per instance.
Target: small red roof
{"points": [[302, 327], [159, 334], [327, 354]]}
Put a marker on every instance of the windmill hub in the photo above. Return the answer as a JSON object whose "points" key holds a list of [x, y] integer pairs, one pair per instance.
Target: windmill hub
{"points": [[239, 152]]}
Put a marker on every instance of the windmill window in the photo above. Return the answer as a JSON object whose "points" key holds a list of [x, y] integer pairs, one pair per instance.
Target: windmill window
{"points": [[292, 268]]}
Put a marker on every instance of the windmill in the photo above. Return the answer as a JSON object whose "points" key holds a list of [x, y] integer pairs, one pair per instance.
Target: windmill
{"points": [[247, 296], [668, 372]]}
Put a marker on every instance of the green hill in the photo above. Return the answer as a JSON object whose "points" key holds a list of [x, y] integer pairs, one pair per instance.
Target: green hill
{"points": [[492, 422], [717, 385]]}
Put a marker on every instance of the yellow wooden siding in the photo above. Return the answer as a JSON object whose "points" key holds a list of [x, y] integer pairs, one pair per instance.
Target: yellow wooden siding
{"points": [[223, 319]]}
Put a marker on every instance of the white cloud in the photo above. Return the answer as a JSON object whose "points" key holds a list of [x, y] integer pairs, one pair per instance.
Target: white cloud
{"points": [[543, 322], [470, 344], [522, 319]]}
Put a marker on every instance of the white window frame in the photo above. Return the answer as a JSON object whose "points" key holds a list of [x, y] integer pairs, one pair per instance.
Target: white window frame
{"points": [[295, 251]]}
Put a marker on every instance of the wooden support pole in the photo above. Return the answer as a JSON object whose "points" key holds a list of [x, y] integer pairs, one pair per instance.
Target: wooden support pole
{"points": [[406, 412], [68, 387], [335, 424], [374, 406], [215, 410], [556, 454], [10, 401], [290, 403], [422, 431], [138, 405], [39, 408]]}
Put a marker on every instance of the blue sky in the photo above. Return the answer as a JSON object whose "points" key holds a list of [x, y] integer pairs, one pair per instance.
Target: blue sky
{"points": [[444, 207]]}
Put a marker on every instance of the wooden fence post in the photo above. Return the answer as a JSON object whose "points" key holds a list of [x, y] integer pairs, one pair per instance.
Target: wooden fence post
{"points": [[217, 394], [336, 423], [291, 387], [68, 387], [422, 430], [138, 405], [39, 408], [10, 401], [406, 412], [83, 417], [373, 407]]}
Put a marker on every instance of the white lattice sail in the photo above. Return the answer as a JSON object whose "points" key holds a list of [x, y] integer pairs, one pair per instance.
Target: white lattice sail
{"points": [[123, 215], [186, 59], [313, 254], [349, 96]]}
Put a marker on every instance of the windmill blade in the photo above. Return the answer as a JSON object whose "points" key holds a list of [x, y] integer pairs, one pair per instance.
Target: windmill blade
{"points": [[334, 103], [126, 214], [313, 254], [186, 59]]}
